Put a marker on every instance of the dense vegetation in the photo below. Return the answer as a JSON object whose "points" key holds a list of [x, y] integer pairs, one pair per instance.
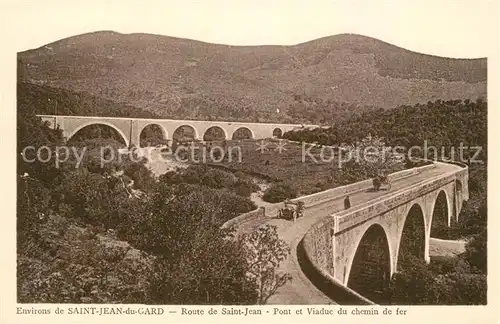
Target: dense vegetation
{"points": [[92, 233], [445, 281], [46, 100], [201, 174], [447, 124], [440, 123], [315, 110]]}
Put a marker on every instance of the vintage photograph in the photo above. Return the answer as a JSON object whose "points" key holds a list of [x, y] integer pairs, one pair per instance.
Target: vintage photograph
{"points": [[309, 156]]}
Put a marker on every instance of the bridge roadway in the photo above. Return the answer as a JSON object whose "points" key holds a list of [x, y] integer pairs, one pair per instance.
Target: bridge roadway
{"points": [[301, 291]]}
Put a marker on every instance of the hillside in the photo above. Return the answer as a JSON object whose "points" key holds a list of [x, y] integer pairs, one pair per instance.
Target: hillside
{"points": [[45, 100], [443, 125], [182, 78]]}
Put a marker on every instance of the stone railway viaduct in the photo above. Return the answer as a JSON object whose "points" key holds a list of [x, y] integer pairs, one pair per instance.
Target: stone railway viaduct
{"points": [[130, 129]]}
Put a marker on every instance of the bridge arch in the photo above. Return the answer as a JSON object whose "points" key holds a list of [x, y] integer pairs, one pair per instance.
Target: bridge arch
{"points": [[180, 135], [91, 123], [440, 219], [153, 125], [215, 133], [277, 132], [370, 271], [243, 133], [412, 240]]}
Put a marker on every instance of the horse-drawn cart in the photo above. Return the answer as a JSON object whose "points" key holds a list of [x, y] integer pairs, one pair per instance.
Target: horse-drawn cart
{"points": [[381, 179]]}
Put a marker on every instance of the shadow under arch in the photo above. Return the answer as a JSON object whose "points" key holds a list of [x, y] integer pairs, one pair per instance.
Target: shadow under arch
{"points": [[94, 130], [369, 274], [440, 218], [152, 134], [412, 239], [215, 133], [243, 133], [184, 133]]}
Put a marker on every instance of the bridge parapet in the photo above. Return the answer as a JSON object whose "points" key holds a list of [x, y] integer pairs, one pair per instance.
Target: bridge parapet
{"points": [[334, 193], [260, 212], [348, 218]]}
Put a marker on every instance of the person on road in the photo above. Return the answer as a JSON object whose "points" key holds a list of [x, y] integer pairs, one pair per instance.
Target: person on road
{"points": [[347, 203]]}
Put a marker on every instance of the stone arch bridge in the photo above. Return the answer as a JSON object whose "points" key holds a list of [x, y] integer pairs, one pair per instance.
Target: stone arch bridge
{"points": [[130, 128], [361, 247], [349, 255]]}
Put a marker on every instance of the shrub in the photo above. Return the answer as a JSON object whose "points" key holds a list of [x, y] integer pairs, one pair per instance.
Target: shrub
{"points": [[476, 251], [96, 200], [279, 192], [243, 187], [195, 264], [33, 209], [81, 267], [212, 178]]}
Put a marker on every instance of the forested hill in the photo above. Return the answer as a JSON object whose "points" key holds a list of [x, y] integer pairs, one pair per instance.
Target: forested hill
{"points": [[440, 123], [187, 79], [45, 100]]}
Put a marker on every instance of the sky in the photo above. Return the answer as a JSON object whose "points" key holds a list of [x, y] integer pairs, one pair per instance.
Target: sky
{"points": [[460, 28]]}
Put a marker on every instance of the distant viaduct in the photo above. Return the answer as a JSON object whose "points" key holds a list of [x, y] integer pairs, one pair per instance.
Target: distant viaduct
{"points": [[130, 129]]}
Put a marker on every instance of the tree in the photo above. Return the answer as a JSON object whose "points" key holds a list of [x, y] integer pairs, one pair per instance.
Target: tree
{"points": [[413, 285], [476, 251], [94, 199], [211, 271], [33, 209], [264, 252], [197, 262], [32, 132], [372, 155]]}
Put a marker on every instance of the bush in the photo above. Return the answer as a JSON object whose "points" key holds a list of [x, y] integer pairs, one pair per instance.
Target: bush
{"points": [[413, 284], [81, 266], [96, 200], [33, 209], [443, 264], [445, 281], [211, 272], [279, 192], [212, 178], [476, 251], [141, 175], [195, 264], [244, 188]]}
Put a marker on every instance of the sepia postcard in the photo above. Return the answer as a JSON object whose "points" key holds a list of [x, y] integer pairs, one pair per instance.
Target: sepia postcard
{"points": [[221, 161]]}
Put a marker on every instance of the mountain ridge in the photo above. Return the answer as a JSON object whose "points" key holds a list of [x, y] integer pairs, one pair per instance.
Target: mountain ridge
{"points": [[252, 45], [180, 77]]}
